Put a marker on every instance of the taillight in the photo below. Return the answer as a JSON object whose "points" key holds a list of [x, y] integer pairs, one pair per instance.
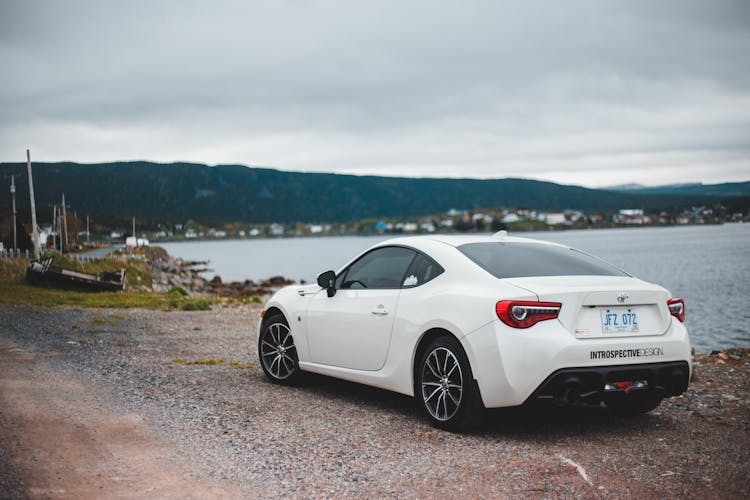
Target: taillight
{"points": [[677, 309], [523, 314]]}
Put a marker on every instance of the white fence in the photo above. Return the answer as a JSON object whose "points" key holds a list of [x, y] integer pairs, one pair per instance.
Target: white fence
{"points": [[15, 254], [25, 254]]}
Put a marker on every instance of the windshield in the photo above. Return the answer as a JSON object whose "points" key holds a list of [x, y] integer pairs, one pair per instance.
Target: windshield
{"points": [[516, 260]]}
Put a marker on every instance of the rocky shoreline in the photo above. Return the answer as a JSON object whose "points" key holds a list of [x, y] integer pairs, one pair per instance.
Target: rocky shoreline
{"points": [[170, 272]]}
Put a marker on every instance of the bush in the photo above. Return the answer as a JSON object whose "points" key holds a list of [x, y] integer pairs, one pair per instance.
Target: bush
{"points": [[194, 305], [177, 292]]}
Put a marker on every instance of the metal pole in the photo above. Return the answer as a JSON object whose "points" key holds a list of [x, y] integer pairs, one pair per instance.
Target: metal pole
{"points": [[64, 226], [34, 228], [13, 197], [134, 227], [87, 230], [54, 227]]}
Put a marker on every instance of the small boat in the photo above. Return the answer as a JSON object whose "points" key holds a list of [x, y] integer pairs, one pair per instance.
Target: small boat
{"points": [[41, 271]]}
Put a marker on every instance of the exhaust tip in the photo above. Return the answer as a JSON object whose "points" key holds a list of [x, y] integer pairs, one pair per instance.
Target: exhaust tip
{"points": [[569, 393]]}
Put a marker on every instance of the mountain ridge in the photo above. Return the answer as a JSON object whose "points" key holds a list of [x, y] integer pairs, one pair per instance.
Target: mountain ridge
{"points": [[180, 191]]}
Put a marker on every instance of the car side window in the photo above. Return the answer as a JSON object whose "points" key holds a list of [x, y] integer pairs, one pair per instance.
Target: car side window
{"points": [[421, 270], [383, 268]]}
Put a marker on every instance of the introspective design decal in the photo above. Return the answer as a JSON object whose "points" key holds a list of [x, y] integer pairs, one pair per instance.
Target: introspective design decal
{"points": [[643, 352]]}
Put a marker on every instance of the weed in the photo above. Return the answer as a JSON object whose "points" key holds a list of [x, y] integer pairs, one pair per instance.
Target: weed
{"points": [[177, 292], [242, 366], [207, 361], [194, 305]]}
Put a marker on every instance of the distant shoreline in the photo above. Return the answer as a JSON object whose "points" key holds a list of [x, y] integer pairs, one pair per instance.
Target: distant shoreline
{"points": [[510, 231]]}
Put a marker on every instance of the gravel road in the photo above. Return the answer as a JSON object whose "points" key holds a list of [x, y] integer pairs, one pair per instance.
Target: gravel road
{"points": [[122, 403]]}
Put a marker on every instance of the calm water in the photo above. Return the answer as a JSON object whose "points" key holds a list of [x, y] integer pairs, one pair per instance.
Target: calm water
{"points": [[708, 266]]}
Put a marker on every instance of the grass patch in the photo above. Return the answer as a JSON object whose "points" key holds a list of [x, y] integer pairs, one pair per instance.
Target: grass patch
{"points": [[192, 304], [212, 362], [253, 299], [241, 366], [207, 361], [13, 268], [138, 275], [113, 320], [17, 291], [14, 289]]}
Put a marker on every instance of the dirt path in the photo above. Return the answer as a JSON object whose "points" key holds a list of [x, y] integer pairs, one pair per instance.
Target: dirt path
{"points": [[172, 404], [67, 443]]}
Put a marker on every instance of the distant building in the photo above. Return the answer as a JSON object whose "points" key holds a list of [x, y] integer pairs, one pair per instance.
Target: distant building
{"points": [[554, 219]]}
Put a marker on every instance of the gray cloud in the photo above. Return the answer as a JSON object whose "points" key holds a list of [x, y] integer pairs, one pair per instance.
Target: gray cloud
{"points": [[585, 92]]}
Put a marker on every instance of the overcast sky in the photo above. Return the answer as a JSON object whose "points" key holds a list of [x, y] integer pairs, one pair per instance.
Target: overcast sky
{"points": [[580, 92]]}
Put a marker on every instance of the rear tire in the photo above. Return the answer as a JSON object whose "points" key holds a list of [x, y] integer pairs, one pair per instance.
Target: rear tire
{"points": [[634, 404], [277, 352], [445, 386]]}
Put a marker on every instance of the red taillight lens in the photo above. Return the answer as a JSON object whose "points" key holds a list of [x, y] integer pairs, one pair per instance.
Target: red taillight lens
{"points": [[677, 309], [523, 313]]}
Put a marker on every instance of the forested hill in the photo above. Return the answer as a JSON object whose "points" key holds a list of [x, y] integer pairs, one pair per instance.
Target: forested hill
{"points": [[181, 191]]}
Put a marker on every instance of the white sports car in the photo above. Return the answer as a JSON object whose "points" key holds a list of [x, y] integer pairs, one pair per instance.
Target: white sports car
{"points": [[465, 323]]}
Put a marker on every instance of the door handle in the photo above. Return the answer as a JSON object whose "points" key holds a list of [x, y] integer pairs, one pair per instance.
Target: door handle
{"points": [[380, 311]]}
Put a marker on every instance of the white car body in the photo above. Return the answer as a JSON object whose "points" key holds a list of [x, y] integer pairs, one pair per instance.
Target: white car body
{"points": [[372, 336]]}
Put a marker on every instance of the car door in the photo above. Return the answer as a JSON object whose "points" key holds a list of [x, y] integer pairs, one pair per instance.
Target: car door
{"points": [[352, 329]]}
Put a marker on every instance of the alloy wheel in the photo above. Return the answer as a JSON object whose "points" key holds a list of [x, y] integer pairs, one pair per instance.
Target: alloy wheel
{"points": [[442, 384], [277, 351]]}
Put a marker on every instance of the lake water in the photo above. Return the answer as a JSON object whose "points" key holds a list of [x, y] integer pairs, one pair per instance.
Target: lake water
{"points": [[708, 266]]}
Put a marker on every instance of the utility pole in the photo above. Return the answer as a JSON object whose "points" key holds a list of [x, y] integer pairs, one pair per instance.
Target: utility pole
{"points": [[87, 230], [34, 228], [13, 197], [54, 227], [64, 240]]}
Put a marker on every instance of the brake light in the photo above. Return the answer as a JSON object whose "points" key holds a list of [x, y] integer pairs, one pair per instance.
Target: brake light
{"points": [[677, 309], [524, 314]]}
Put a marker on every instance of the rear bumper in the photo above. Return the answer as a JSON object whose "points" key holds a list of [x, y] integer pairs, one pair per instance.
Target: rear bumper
{"points": [[512, 367], [587, 384]]}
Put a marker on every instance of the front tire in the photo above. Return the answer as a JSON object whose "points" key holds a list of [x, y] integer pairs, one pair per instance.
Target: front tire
{"points": [[445, 386], [277, 352]]}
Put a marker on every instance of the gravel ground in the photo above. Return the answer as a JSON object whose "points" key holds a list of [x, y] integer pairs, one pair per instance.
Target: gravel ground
{"points": [[156, 424]]}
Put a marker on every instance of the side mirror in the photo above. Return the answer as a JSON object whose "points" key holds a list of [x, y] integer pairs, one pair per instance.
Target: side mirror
{"points": [[327, 280]]}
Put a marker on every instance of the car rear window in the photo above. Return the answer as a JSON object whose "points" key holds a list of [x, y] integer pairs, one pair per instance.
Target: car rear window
{"points": [[516, 260]]}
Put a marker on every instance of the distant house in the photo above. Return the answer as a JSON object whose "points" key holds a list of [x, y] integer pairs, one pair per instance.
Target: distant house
{"points": [[554, 219]]}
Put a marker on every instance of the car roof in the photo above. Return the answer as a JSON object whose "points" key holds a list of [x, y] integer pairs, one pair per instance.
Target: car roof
{"points": [[458, 240]]}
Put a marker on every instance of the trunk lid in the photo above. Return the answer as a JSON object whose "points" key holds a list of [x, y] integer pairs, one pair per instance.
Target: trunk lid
{"points": [[603, 306]]}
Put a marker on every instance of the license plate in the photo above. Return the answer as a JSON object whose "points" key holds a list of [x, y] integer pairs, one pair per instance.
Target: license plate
{"points": [[619, 320]]}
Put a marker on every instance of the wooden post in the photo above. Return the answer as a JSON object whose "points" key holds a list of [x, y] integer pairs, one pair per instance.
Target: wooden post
{"points": [[34, 228]]}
